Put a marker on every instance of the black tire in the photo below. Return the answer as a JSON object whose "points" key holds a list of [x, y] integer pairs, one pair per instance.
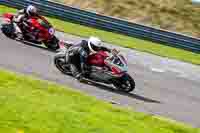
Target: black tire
{"points": [[59, 61], [8, 30], [53, 44], [125, 83]]}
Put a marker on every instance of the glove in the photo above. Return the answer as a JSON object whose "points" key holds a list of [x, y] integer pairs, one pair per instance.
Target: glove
{"points": [[114, 51]]}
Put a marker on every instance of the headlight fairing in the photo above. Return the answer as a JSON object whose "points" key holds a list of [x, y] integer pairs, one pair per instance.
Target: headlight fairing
{"points": [[51, 31]]}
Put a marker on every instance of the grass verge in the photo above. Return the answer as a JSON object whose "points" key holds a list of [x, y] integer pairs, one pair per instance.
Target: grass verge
{"points": [[121, 40], [33, 106]]}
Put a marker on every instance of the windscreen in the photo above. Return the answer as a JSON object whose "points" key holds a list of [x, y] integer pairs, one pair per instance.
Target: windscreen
{"points": [[117, 61]]}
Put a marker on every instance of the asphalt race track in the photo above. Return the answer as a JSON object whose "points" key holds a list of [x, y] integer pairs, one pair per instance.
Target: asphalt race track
{"points": [[163, 87]]}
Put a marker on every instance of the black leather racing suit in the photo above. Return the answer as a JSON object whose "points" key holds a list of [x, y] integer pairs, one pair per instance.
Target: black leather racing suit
{"points": [[77, 56]]}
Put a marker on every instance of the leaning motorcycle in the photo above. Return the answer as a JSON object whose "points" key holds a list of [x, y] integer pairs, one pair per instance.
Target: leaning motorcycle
{"points": [[45, 32], [114, 70]]}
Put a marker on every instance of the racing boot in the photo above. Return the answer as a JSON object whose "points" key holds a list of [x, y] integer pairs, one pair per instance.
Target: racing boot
{"points": [[76, 73], [79, 77], [18, 32], [19, 37]]}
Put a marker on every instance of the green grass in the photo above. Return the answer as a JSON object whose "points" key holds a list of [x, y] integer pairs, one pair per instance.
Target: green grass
{"points": [[34, 106], [121, 40]]}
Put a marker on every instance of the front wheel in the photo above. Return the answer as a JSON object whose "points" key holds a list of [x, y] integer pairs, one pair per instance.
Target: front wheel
{"points": [[53, 44], [60, 63], [126, 83]]}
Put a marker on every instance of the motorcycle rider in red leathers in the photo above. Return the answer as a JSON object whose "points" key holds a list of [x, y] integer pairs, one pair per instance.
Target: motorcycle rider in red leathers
{"points": [[22, 16], [80, 52]]}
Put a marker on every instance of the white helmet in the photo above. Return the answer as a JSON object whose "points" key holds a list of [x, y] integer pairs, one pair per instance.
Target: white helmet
{"points": [[31, 10], [94, 43]]}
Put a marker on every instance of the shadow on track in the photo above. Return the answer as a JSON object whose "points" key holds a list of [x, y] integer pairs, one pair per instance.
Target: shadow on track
{"points": [[41, 46], [131, 95]]}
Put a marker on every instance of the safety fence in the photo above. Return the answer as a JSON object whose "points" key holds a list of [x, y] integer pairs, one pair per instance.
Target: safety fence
{"points": [[109, 23]]}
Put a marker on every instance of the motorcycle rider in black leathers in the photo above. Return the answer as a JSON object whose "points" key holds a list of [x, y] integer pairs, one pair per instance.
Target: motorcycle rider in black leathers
{"points": [[24, 15], [77, 56]]}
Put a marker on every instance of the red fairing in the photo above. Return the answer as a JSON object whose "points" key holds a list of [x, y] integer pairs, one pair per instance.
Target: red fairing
{"points": [[8, 16], [97, 59], [43, 31], [115, 70]]}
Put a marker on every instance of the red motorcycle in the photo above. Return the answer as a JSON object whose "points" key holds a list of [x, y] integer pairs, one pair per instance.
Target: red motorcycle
{"points": [[111, 68], [34, 30]]}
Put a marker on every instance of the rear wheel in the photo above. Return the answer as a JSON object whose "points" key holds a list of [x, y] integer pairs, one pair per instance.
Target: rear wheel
{"points": [[8, 30], [53, 44], [59, 61], [125, 83]]}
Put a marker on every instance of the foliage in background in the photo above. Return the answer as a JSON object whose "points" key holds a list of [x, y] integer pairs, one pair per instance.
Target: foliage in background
{"points": [[175, 15]]}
